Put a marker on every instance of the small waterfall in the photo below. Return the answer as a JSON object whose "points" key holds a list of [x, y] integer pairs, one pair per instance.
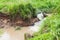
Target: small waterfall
{"points": [[36, 26]]}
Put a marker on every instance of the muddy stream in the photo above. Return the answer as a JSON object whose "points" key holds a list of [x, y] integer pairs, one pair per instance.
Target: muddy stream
{"points": [[10, 33]]}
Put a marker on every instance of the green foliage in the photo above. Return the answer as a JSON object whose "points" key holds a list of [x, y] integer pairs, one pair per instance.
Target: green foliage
{"points": [[46, 36], [50, 29], [27, 11], [17, 8], [27, 8], [49, 6]]}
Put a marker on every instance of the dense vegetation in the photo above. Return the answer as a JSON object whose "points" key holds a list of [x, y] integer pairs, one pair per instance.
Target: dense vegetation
{"points": [[50, 29], [27, 8], [19, 8]]}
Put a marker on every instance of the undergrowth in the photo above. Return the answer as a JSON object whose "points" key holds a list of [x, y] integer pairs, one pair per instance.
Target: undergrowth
{"points": [[50, 29], [26, 9]]}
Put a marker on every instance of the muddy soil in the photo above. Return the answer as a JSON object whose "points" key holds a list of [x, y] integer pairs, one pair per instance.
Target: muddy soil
{"points": [[10, 32], [5, 20]]}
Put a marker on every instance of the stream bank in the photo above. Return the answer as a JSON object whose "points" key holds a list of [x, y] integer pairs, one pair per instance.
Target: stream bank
{"points": [[10, 33]]}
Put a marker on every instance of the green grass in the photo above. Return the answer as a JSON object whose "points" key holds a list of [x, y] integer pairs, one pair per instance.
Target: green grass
{"points": [[46, 36], [26, 9], [50, 29], [51, 6], [17, 7]]}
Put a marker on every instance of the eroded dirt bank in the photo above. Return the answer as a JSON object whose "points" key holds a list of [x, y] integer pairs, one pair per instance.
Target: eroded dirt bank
{"points": [[17, 21], [10, 33]]}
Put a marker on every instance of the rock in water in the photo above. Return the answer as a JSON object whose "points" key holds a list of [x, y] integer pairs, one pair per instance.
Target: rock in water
{"points": [[40, 16]]}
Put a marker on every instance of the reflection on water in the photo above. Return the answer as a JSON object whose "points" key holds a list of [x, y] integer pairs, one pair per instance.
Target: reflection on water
{"points": [[5, 36]]}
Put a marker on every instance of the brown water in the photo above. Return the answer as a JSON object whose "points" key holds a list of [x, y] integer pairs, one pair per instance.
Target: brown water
{"points": [[12, 34]]}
